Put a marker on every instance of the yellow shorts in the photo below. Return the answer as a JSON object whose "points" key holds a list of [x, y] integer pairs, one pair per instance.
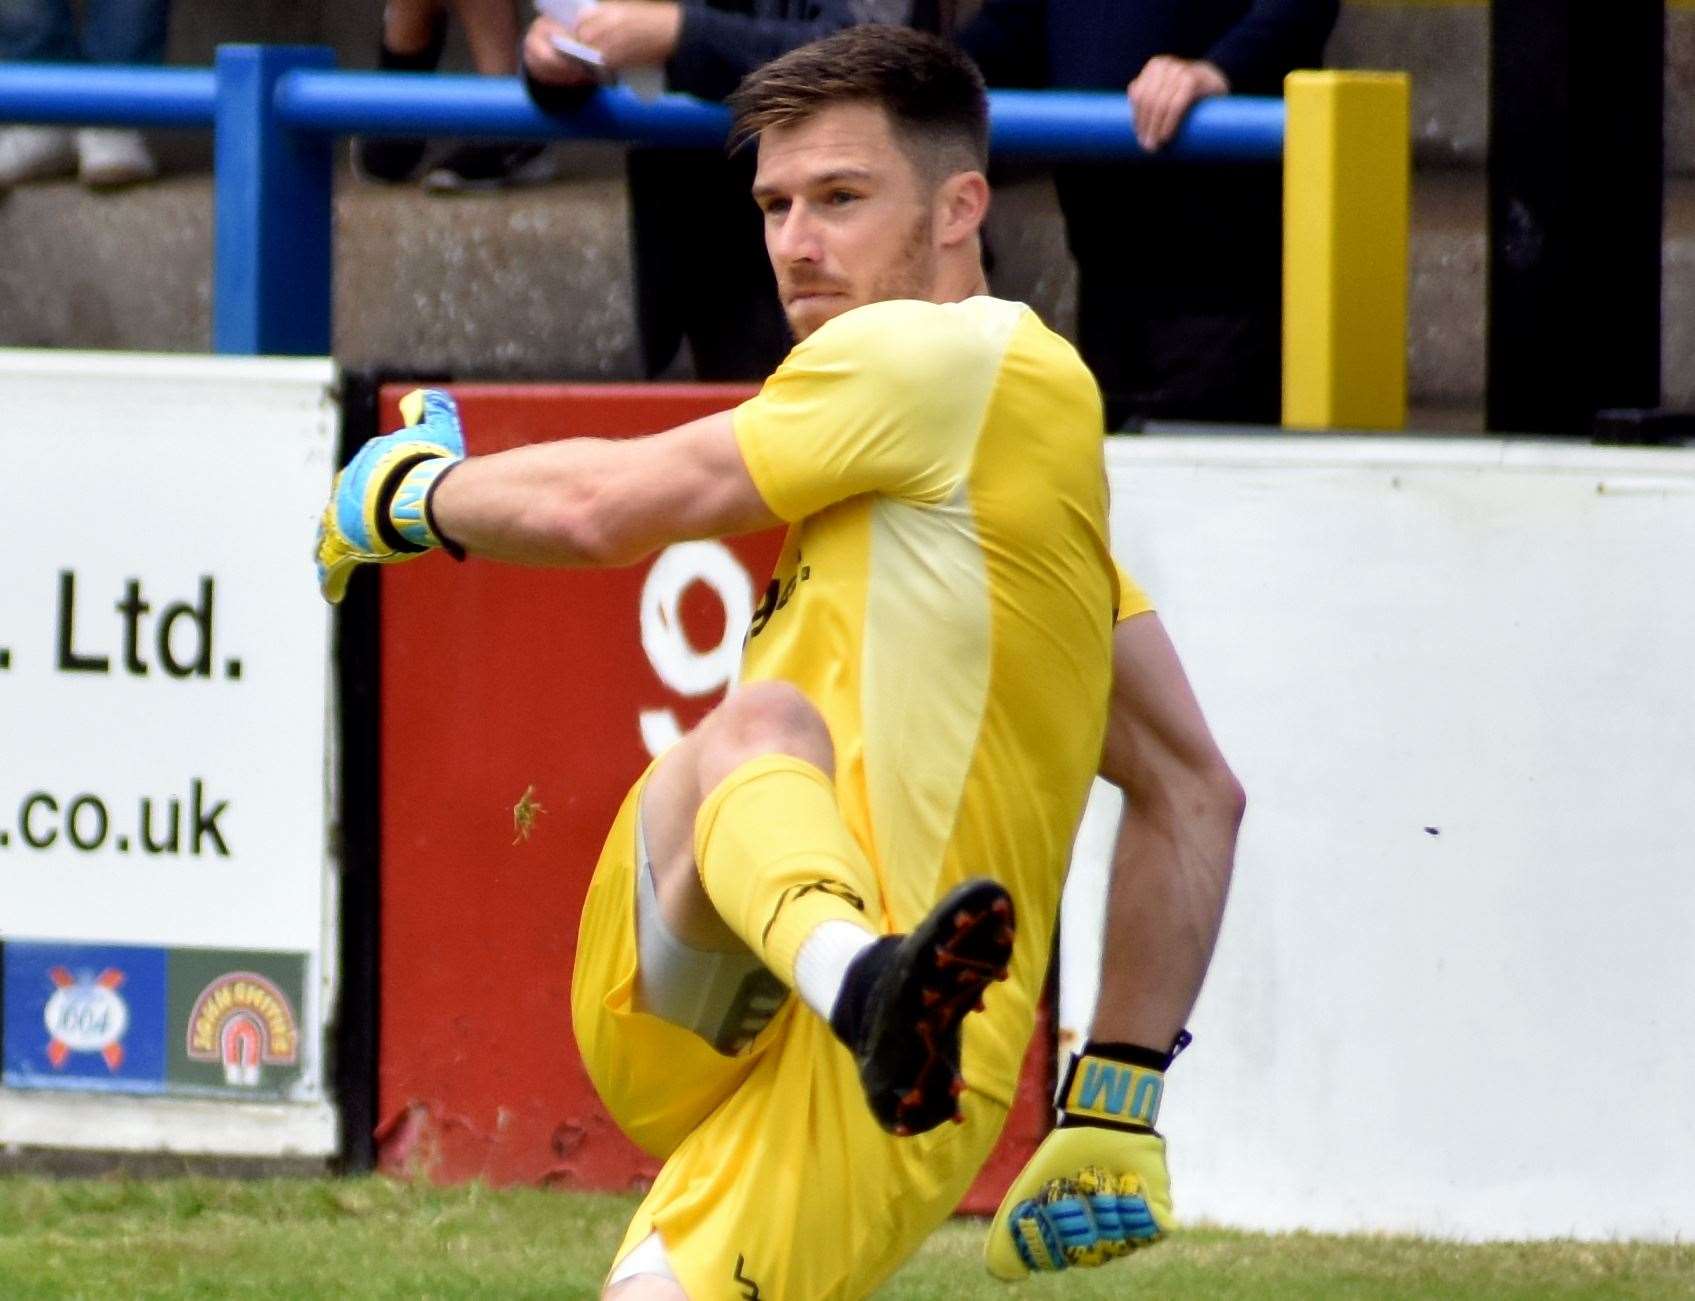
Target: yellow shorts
{"points": [[775, 1176], [1132, 600]]}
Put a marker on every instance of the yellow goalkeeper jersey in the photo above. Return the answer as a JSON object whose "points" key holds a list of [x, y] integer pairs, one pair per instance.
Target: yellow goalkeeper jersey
{"points": [[945, 597]]}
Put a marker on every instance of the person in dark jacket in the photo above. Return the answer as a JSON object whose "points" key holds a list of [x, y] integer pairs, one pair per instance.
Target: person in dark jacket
{"points": [[701, 269], [1179, 264]]}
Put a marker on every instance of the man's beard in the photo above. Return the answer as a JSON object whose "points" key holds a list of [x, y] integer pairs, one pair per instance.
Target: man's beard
{"points": [[914, 274], [911, 275]]}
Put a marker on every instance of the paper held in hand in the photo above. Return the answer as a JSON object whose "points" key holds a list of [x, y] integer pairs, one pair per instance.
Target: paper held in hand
{"points": [[648, 83], [568, 13]]}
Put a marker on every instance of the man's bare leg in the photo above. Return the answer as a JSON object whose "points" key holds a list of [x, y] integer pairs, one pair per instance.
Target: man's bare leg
{"points": [[1176, 843], [747, 840], [761, 719], [756, 721], [409, 26], [491, 30]]}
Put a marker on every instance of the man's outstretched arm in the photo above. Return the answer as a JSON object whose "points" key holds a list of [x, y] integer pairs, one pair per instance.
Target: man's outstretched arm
{"points": [[1097, 1188], [593, 501], [581, 501]]}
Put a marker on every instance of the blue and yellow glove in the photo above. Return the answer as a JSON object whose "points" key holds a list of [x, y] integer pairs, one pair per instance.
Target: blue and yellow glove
{"points": [[1097, 1187], [379, 508]]}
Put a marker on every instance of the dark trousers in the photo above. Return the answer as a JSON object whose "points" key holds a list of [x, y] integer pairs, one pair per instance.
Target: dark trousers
{"points": [[700, 265], [109, 31], [1179, 300]]}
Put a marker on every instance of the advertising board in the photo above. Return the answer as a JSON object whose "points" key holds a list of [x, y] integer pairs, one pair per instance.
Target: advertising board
{"points": [[167, 889]]}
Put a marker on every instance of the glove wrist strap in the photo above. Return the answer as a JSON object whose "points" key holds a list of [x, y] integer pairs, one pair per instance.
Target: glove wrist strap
{"points": [[1118, 1085], [409, 509]]}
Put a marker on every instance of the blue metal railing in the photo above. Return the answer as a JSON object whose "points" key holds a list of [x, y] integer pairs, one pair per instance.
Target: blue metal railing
{"points": [[76, 93], [275, 111], [1047, 124]]}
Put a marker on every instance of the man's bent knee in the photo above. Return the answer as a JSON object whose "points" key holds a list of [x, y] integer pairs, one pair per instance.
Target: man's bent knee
{"points": [[758, 719]]}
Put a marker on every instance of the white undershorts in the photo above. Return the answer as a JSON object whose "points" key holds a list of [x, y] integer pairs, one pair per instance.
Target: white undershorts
{"points": [[646, 1257]]}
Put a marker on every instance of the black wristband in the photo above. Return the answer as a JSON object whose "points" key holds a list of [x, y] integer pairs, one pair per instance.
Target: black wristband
{"points": [[1135, 1054]]}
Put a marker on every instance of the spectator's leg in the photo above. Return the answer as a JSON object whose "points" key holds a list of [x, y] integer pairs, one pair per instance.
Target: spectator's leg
{"points": [[42, 31], [122, 32], [1178, 296], [1218, 350], [413, 30], [1220, 363], [491, 29], [661, 203], [732, 317], [38, 31], [413, 34], [1099, 229], [125, 31]]}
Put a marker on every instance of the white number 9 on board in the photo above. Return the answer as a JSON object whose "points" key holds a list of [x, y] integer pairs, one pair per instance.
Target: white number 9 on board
{"points": [[680, 666]]}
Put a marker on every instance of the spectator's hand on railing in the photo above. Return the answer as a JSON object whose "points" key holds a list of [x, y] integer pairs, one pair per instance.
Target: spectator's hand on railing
{"points": [[632, 33], [548, 64], [1165, 90]]}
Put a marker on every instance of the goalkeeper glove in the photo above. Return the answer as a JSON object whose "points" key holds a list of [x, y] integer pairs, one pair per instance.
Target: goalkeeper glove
{"points": [[379, 508], [1097, 1187]]}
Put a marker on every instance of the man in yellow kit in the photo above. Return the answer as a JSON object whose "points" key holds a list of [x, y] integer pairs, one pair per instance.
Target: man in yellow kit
{"points": [[878, 818]]}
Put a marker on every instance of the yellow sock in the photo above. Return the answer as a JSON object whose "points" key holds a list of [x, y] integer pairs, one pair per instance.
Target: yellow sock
{"points": [[777, 861]]}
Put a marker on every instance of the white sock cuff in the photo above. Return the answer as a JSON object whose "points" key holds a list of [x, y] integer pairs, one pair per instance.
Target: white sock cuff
{"points": [[822, 962]]}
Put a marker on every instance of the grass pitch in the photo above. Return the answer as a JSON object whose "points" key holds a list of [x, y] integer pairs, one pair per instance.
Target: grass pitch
{"points": [[202, 1238]]}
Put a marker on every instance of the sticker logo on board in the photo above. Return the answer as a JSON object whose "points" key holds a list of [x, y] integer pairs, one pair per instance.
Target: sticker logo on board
{"points": [[87, 1016], [235, 1023], [83, 1016], [243, 1021]]}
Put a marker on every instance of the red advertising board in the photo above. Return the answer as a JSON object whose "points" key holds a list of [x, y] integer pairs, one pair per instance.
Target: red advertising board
{"points": [[496, 682]]}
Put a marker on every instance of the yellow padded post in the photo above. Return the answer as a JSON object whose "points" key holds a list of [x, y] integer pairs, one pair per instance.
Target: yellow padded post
{"points": [[1347, 161]]}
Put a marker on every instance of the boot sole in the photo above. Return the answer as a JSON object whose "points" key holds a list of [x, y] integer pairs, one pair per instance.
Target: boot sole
{"points": [[910, 1067]]}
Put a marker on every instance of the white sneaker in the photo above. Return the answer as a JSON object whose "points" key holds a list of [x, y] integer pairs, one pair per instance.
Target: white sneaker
{"points": [[109, 158], [36, 153]]}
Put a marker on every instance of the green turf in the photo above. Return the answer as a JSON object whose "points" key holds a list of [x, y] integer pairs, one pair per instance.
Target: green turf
{"points": [[376, 1238]]}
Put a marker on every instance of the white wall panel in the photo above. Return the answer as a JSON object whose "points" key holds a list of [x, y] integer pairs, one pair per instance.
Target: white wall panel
{"points": [[1455, 990]]}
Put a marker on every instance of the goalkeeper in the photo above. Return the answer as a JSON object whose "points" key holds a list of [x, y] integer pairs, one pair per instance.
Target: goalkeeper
{"points": [[786, 980]]}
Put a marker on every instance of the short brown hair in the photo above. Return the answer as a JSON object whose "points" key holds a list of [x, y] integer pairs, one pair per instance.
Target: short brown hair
{"points": [[933, 93]]}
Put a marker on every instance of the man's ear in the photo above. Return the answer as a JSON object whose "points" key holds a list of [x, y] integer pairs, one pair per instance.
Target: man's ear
{"points": [[962, 203]]}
